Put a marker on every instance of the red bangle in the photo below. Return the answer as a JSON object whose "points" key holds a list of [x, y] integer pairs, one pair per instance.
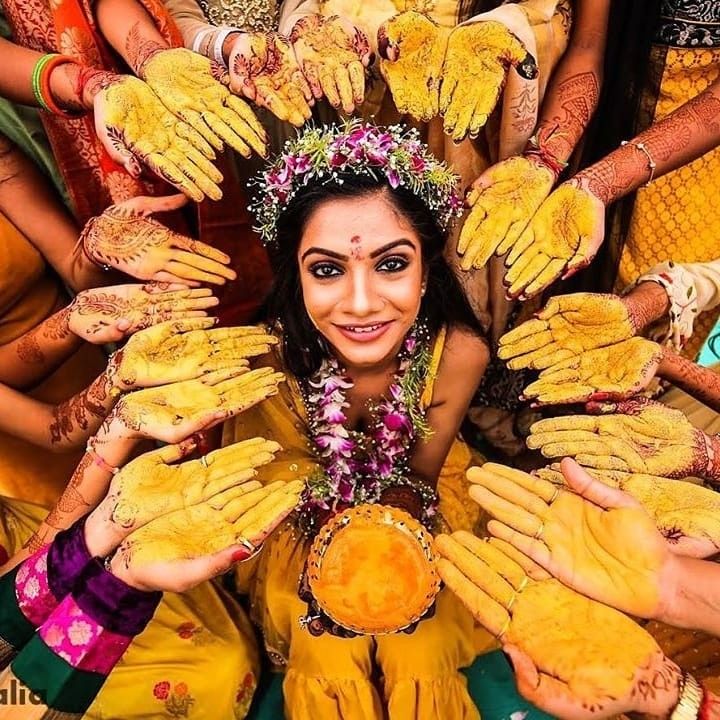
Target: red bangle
{"points": [[536, 151], [45, 91], [707, 705]]}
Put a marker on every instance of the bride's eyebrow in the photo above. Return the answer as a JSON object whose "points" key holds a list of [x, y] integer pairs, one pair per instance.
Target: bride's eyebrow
{"points": [[321, 251], [339, 256], [391, 246]]}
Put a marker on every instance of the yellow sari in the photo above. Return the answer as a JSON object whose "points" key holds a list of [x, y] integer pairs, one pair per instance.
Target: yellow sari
{"points": [[329, 677]]}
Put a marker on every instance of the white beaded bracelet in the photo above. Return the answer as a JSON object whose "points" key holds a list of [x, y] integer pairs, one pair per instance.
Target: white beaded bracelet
{"points": [[222, 33]]}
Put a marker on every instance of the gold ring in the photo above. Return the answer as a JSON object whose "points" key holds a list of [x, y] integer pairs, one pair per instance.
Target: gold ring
{"points": [[539, 531], [203, 461], [504, 629], [252, 549], [555, 495], [523, 584], [508, 607]]}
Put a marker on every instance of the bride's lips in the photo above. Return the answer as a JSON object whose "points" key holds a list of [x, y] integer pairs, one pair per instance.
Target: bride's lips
{"points": [[364, 333]]}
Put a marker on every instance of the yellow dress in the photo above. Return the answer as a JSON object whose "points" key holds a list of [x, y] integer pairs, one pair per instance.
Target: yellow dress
{"points": [[415, 676], [29, 294], [677, 216]]}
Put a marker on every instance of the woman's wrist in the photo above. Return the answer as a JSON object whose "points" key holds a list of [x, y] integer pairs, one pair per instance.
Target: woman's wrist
{"points": [[90, 81], [544, 157], [646, 303], [102, 535], [114, 442], [62, 82]]}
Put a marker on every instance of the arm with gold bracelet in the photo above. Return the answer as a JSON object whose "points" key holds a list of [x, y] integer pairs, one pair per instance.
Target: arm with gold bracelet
{"points": [[569, 227]]}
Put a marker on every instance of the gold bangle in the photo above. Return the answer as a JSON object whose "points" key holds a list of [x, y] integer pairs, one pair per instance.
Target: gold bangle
{"points": [[691, 695]]}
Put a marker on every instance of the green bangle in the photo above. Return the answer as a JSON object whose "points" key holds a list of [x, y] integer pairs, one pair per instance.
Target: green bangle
{"points": [[36, 75]]}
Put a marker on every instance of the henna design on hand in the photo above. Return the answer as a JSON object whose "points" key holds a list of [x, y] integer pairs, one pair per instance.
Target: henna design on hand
{"points": [[140, 49]]}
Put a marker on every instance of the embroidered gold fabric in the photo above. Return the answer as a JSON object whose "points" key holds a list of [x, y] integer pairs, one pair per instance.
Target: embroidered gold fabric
{"points": [[257, 15]]}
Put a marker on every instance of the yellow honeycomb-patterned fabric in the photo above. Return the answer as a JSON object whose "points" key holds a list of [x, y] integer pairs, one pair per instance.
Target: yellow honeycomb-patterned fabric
{"points": [[677, 217]]}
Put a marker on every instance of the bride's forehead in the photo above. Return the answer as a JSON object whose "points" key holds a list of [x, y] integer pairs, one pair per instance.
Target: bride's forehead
{"points": [[372, 220]]}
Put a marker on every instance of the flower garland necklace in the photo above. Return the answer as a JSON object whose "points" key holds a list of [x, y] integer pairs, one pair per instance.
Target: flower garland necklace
{"points": [[357, 468]]}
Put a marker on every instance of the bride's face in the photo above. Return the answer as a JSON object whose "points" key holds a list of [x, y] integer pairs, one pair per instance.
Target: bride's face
{"points": [[361, 273]]}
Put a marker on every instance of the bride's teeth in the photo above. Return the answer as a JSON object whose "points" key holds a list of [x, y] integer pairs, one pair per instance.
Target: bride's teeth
{"points": [[371, 328]]}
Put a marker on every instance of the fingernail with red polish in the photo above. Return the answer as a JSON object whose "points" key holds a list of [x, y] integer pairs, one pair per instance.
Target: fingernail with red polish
{"points": [[240, 555]]}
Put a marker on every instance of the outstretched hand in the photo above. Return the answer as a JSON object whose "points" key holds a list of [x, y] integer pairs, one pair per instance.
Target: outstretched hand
{"points": [[333, 55], [110, 314], [264, 69], [184, 350], [126, 238], [573, 657], [477, 61], [503, 200], [176, 550], [637, 435]]}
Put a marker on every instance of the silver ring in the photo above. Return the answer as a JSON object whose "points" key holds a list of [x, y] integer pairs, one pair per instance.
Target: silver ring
{"points": [[539, 531], [203, 461], [555, 495]]}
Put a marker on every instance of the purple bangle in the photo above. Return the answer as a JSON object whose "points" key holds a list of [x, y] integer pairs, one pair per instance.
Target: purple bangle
{"points": [[112, 603], [68, 556]]}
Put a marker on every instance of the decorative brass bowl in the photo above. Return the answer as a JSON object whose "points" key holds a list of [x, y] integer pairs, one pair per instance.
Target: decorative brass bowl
{"points": [[372, 569]]}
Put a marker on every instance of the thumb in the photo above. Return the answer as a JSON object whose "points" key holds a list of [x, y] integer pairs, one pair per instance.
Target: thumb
{"points": [[143, 205], [122, 326], [387, 49], [169, 454], [115, 147], [593, 490], [207, 567], [526, 674]]}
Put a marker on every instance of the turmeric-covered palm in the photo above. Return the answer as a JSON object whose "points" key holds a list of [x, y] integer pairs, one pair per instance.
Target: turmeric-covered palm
{"points": [[151, 485], [477, 61], [412, 50], [185, 83], [641, 436], [586, 658], [566, 327], [615, 556], [165, 548], [264, 69], [686, 514], [502, 200], [563, 236], [184, 350], [615, 372], [135, 125], [332, 54], [173, 412]]}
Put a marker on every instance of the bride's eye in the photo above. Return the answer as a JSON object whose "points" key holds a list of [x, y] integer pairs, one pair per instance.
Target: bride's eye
{"points": [[324, 270], [393, 264]]}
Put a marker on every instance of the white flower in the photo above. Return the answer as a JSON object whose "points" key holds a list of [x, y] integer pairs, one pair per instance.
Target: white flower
{"points": [[80, 633], [32, 588]]}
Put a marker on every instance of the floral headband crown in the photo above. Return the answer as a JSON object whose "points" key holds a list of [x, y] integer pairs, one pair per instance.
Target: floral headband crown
{"points": [[319, 154]]}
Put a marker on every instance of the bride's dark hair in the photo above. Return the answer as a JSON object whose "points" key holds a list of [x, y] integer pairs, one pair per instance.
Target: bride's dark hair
{"points": [[444, 301]]}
